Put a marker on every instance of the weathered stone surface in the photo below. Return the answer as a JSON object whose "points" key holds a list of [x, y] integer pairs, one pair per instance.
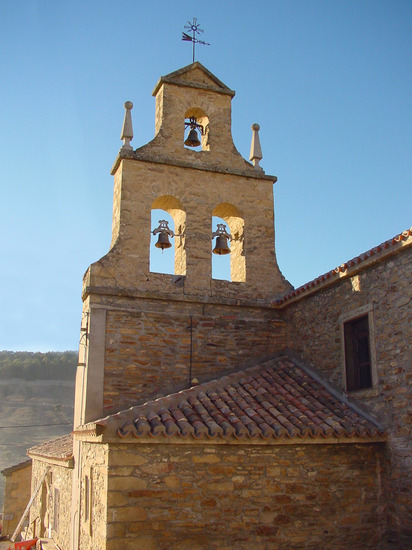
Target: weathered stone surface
{"points": [[149, 355], [315, 334], [50, 511], [341, 503], [16, 495], [162, 331]]}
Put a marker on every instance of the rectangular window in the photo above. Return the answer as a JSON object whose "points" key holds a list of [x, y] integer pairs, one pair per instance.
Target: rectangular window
{"points": [[357, 354], [86, 498], [56, 506]]}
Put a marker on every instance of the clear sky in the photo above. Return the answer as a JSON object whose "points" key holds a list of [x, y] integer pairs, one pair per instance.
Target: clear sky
{"points": [[329, 82]]}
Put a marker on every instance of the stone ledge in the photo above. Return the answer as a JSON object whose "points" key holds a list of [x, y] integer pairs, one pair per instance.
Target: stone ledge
{"points": [[176, 440], [140, 156], [211, 300]]}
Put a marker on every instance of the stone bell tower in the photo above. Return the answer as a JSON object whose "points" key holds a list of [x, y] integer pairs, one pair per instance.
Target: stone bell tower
{"points": [[147, 334]]}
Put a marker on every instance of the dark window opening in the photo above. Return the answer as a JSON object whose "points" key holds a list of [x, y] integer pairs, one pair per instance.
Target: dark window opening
{"points": [[86, 498], [56, 510], [357, 354]]}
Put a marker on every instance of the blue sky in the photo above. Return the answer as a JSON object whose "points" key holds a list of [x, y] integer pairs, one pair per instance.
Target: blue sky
{"points": [[329, 82]]}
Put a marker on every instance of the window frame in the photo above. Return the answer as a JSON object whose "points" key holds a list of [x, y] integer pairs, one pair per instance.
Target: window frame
{"points": [[349, 317]]}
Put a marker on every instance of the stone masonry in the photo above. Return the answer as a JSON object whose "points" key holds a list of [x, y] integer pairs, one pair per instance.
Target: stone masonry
{"points": [[220, 497], [314, 333], [173, 343], [16, 495], [145, 334], [48, 513]]}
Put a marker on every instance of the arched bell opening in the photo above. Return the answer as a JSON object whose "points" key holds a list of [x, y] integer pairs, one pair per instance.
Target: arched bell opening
{"points": [[196, 135], [221, 251], [228, 265], [167, 247]]}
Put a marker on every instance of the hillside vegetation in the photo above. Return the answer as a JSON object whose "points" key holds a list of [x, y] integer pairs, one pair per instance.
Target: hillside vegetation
{"points": [[56, 365], [36, 402]]}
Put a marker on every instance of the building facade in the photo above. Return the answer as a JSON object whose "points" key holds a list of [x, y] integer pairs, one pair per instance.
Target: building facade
{"points": [[218, 414]]}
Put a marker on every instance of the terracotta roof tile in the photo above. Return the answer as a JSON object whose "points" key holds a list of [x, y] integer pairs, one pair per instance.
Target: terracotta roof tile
{"points": [[275, 400], [336, 273], [60, 448]]}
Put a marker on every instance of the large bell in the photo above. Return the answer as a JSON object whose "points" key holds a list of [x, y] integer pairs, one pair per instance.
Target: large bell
{"points": [[192, 139], [163, 241], [221, 246]]}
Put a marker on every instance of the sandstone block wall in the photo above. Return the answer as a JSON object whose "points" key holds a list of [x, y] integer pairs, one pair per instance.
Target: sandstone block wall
{"points": [[50, 511], [176, 497], [314, 333], [16, 496], [93, 513], [192, 196], [157, 347]]}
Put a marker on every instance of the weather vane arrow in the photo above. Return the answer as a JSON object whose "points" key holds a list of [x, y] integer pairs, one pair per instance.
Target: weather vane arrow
{"points": [[195, 28]]}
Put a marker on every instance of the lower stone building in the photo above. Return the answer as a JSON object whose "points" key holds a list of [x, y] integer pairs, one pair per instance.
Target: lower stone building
{"points": [[16, 495], [235, 414]]}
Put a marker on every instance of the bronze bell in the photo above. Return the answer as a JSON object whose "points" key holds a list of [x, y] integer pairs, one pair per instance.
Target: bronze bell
{"points": [[221, 246], [163, 241], [192, 139]]}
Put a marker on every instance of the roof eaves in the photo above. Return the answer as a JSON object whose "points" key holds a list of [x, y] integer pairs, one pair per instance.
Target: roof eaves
{"points": [[57, 451], [349, 268], [16, 467], [275, 402]]}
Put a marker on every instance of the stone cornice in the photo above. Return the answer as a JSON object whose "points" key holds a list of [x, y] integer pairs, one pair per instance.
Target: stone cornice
{"points": [[138, 155], [120, 292], [64, 462]]}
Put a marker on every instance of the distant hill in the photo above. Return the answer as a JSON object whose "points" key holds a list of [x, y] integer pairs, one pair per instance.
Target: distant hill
{"points": [[36, 402], [56, 365]]}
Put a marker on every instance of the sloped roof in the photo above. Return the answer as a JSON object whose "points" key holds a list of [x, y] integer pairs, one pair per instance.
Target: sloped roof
{"points": [[16, 467], [383, 250], [194, 75], [59, 449], [278, 400]]}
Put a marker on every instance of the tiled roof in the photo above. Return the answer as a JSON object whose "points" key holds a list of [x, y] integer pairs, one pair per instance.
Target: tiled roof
{"points": [[277, 400], [16, 467], [60, 449], [337, 273]]}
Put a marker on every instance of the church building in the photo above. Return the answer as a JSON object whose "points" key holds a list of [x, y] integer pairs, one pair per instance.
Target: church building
{"points": [[214, 414]]}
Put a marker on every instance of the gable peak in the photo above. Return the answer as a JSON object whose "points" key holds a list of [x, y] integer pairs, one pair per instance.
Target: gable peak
{"points": [[194, 75]]}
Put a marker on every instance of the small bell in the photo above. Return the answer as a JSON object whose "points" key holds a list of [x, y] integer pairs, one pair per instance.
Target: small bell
{"points": [[163, 241], [222, 237], [163, 231], [221, 246], [192, 139]]}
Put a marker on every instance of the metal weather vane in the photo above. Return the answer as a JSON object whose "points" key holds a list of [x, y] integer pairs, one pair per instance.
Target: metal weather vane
{"points": [[195, 28]]}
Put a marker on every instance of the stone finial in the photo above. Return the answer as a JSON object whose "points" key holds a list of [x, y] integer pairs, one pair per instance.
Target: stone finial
{"points": [[255, 149], [127, 129]]}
